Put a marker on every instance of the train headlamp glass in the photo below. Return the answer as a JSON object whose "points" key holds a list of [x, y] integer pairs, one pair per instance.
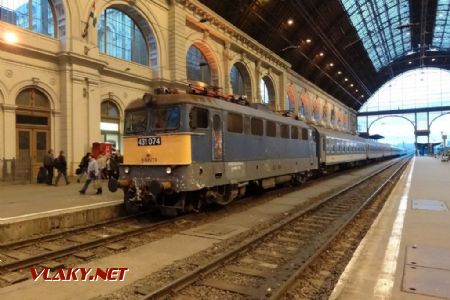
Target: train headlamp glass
{"points": [[126, 170], [168, 170]]}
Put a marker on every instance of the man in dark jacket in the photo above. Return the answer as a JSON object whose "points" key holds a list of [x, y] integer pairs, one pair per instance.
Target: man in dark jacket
{"points": [[48, 164], [61, 166]]}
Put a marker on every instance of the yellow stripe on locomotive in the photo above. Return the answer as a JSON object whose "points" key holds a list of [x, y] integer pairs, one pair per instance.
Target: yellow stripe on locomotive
{"points": [[158, 150]]}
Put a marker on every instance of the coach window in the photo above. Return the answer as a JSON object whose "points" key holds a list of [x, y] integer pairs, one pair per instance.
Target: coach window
{"points": [[294, 132], [235, 123], [284, 131], [271, 129], [257, 126], [198, 118], [110, 123]]}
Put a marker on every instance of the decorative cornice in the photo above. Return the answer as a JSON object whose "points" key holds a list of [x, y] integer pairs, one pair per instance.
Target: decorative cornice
{"points": [[232, 32]]}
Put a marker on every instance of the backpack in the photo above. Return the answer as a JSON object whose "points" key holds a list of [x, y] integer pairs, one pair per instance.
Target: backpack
{"points": [[57, 163]]}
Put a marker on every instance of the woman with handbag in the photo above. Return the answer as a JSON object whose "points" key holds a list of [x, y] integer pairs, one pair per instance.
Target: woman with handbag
{"points": [[93, 174]]}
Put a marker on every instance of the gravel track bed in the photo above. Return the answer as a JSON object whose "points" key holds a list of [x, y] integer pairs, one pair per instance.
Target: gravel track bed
{"points": [[320, 278], [162, 277]]}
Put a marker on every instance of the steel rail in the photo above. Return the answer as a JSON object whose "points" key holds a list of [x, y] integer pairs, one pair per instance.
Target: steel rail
{"points": [[281, 290], [34, 260], [246, 245]]}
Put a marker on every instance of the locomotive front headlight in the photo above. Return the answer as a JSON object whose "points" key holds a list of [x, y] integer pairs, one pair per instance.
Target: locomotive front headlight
{"points": [[168, 170], [126, 170]]}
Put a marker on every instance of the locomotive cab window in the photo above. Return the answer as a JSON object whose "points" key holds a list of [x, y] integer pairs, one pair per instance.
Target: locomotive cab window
{"points": [[165, 118], [257, 126], [235, 123], [271, 129], [135, 121], [198, 118], [284, 131]]}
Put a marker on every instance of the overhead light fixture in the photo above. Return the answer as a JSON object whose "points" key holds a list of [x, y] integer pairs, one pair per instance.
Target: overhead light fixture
{"points": [[345, 79], [351, 84], [339, 72], [356, 90], [290, 22], [433, 59], [362, 96], [308, 41], [409, 62], [331, 64], [321, 54]]}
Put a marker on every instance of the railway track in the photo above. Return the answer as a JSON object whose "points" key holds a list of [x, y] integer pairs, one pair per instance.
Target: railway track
{"points": [[265, 265], [54, 250]]}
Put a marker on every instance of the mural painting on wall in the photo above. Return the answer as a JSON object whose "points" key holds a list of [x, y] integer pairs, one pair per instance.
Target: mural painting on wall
{"points": [[290, 92], [325, 112], [339, 118], [333, 116], [304, 100], [315, 109]]}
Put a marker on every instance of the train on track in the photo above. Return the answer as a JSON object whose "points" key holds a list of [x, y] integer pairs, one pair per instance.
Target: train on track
{"points": [[182, 151]]}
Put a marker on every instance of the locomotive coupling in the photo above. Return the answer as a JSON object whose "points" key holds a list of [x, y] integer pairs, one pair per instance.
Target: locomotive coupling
{"points": [[114, 184], [156, 187]]}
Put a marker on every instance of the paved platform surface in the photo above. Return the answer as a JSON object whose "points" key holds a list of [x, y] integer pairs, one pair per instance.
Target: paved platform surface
{"points": [[34, 200], [152, 257], [406, 254]]}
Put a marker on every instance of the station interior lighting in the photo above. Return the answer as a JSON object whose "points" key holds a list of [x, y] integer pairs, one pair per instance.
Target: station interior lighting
{"points": [[10, 37]]}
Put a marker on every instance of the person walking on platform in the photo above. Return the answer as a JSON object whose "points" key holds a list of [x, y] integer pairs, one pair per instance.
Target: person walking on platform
{"points": [[93, 176], [101, 161], [83, 166], [49, 161], [61, 166]]}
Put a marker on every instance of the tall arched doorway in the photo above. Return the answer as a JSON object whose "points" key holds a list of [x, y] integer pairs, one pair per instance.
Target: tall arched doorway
{"points": [[32, 131], [110, 123]]}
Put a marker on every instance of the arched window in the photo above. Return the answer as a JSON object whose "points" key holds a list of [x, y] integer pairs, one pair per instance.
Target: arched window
{"points": [[267, 90], [197, 66], [264, 92], [237, 81], [110, 123], [121, 37], [34, 15]]}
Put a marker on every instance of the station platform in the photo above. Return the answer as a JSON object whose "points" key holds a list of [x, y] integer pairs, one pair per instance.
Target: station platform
{"points": [[29, 209], [406, 253]]}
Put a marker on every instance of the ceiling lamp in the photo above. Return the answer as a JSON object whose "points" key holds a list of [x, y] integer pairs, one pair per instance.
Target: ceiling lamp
{"points": [[308, 41], [433, 59], [339, 72], [331, 64], [346, 79], [351, 84], [290, 22], [321, 54], [409, 62]]}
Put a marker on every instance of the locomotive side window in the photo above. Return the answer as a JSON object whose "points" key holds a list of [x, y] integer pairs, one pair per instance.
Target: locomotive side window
{"points": [[198, 118], [294, 132], [284, 131], [271, 129], [165, 118], [304, 134], [247, 125], [257, 126], [135, 121], [235, 123]]}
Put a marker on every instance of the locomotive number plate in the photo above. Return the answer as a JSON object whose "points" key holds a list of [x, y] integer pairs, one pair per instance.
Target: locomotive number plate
{"points": [[149, 141]]}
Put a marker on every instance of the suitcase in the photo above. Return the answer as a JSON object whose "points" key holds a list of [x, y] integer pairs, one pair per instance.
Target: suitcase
{"points": [[42, 175]]}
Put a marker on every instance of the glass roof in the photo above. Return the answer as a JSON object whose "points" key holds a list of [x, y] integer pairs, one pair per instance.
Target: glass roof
{"points": [[441, 34], [383, 27]]}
